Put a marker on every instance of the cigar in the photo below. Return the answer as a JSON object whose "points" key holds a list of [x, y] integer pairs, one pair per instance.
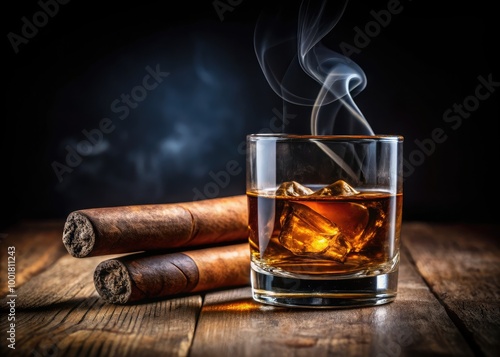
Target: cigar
{"points": [[147, 276], [128, 229]]}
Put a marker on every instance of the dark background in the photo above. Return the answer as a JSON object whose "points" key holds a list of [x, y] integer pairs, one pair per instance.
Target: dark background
{"points": [[64, 80]]}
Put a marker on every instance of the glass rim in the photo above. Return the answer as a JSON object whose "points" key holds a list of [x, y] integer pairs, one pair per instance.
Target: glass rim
{"points": [[330, 137]]}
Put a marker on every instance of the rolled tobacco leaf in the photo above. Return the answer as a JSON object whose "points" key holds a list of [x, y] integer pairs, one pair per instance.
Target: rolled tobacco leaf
{"points": [[128, 229], [146, 276]]}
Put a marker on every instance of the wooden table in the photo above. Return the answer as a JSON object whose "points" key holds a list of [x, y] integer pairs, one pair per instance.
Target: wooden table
{"points": [[448, 305]]}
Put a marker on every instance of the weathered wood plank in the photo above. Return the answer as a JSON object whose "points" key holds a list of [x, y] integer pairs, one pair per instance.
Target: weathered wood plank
{"points": [[461, 264], [232, 324], [59, 313], [38, 244]]}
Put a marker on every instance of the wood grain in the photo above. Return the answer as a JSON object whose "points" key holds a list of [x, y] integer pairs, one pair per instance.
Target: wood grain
{"points": [[461, 264], [59, 313], [231, 324], [37, 246], [447, 304]]}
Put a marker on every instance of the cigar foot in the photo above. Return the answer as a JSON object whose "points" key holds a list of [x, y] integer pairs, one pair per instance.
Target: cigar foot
{"points": [[135, 228], [112, 282], [147, 276], [78, 235]]}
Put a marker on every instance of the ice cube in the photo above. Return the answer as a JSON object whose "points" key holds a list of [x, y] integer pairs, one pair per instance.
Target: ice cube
{"points": [[305, 232], [376, 218], [292, 188], [338, 188], [357, 222], [351, 218]]}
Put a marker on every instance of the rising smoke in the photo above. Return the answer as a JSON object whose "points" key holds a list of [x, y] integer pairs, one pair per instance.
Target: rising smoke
{"points": [[305, 73]]}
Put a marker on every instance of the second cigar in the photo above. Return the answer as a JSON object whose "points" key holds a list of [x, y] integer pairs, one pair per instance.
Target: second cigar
{"points": [[145, 276], [129, 229]]}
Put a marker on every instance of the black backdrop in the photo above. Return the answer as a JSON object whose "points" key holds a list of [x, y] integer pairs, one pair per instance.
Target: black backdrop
{"points": [[149, 102]]}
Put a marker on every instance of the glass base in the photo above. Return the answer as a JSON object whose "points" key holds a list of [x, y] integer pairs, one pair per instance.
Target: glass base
{"points": [[323, 293]]}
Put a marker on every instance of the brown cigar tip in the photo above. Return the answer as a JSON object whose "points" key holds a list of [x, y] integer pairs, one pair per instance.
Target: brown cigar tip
{"points": [[112, 282], [78, 235]]}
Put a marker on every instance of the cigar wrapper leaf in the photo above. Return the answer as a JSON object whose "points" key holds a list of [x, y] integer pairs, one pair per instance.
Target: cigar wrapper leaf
{"points": [[128, 229], [144, 276]]}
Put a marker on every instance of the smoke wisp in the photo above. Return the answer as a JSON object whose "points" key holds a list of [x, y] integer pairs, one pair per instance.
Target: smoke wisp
{"points": [[304, 72]]}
